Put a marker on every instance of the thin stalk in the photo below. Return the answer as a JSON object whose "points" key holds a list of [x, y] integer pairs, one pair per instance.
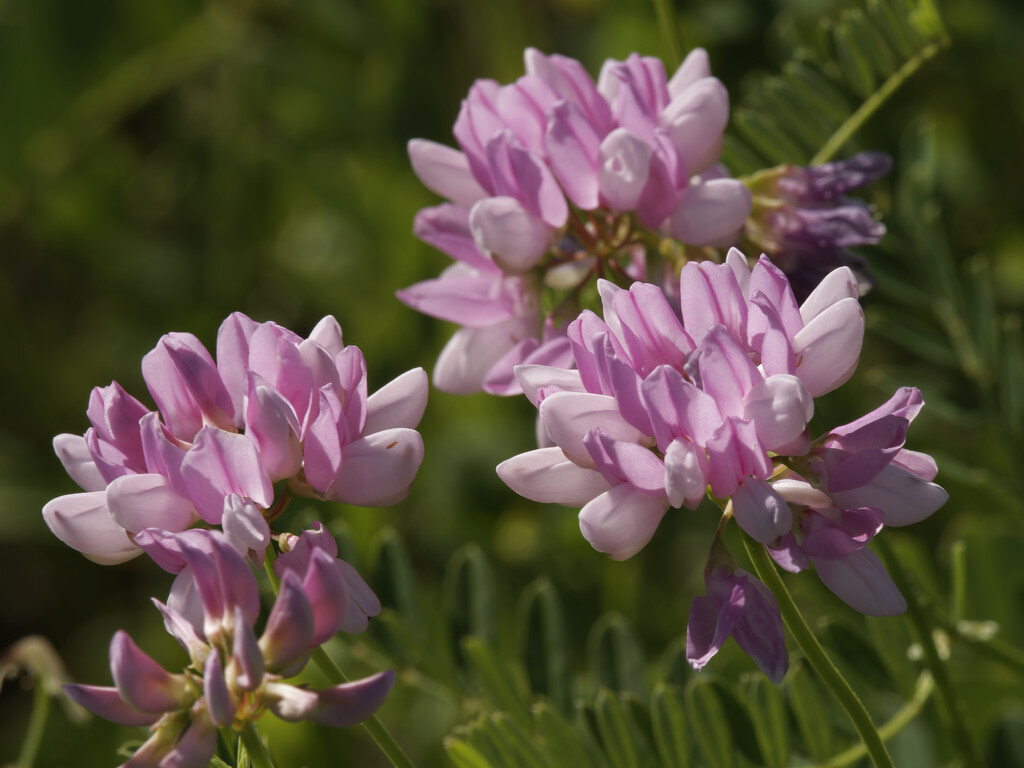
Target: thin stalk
{"points": [[910, 710], [945, 694], [255, 749], [819, 660], [36, 724], [666, 21], [378, 732], [853, 123]]}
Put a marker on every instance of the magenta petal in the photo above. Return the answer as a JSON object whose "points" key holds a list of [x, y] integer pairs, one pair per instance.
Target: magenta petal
{"points": [[351, 703], [627, 462], [194, 746], [290, 625], [233, 357], [759, 632], [621, 521], [220, 463], [107, 703], [861, 581], [83, 522], [322, 446], [362, 601], [572, 144], [467, 297], [272, 424], [446, 227], [378, 469], [219, 703], [181, 629], [143, 683], [708, 627], [325, 589], [246, 656]]}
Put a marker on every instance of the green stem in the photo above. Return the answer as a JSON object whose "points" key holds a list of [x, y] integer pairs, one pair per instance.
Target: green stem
{"points": [[36, 724], [667, 23], [945, 694], [255, 749], [853, 123], [910, 710], [819, 660], [377, 730]]}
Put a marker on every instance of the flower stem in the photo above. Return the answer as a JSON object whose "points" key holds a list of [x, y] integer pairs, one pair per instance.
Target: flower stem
{"points": [[36, 724], [668, 30], [819, 660], [255, 749], [377, 730]]}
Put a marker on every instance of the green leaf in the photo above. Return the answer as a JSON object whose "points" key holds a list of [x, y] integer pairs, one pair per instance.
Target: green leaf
{"points": [[855, 66], [563, 744], [615, 656], [543, 646], [395, 585], [497, 678], [614, 728], [470, 592], [852, 650], [708, 720], [812, 714], [767, 709], [671, 737], [465, 756]]}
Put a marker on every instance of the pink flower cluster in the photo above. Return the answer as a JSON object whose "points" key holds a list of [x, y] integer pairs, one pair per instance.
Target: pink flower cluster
{"points": [[665, 408], [273, 407], [548, 166], [233, 675]]}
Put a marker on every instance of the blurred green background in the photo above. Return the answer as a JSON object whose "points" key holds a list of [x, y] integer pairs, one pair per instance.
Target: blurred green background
{"points": [[165, 163]]}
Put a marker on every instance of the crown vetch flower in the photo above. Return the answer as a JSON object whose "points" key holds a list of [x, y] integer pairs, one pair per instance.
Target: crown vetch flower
{"points": [[664, 408], [233, 676], [272, 407], [634, 152]]}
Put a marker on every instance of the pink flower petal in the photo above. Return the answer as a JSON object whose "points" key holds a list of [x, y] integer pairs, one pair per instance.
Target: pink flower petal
{"points": [[83, 522], [621, 521]]}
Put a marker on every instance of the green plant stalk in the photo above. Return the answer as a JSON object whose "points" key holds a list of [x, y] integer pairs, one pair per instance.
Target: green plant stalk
{"points": [[910, 710], [36, 724], [377, 730], [255, 749], [666, 21], [817, 657], [944, 692], [873, 103]]}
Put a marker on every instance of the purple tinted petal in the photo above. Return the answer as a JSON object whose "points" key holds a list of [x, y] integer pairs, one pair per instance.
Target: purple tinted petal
{"points": [[514, 237], [221, 463], [351, 703], [327, 593], [245, 528], [759, 632], [218, 699], [446, 227], [445, 171], [143, 683], [246, 655], [290, 625], [760, 511], [861, 581], [623, 166], [107, 703], [572, 145], [233, 357], [362, 601], [780, 408]]}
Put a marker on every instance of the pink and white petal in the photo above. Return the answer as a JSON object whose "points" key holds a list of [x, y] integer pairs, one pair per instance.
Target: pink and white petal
{"points": [[378, 469], [220, 463], [546, 476], [686, 473], [78, 462], [695, 119], [837, 285], [695, 66], [861, 581], [506, 230], [474, 300], [143, 683], [780, 408], [621, 521], [471, 353], [537, 378], [445, 171], [710, 212], [446, 227], [623, 166], [399, 403], [828, 347], [83, 522], [568, 416], [148, 501], [799, 491]]}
